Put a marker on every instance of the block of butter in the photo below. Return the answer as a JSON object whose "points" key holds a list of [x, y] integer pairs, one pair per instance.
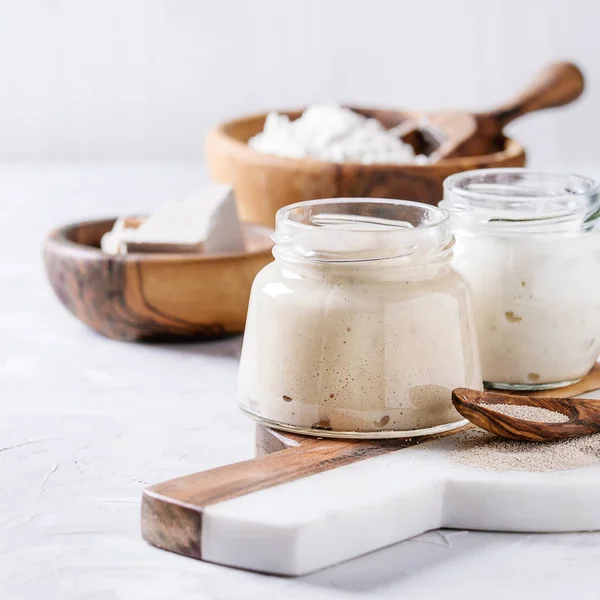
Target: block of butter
{"points": [[203, 221]]}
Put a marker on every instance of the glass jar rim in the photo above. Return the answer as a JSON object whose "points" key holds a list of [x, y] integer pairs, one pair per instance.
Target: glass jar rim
{"points": [[440, 215], [361, 229], [523, 195]]}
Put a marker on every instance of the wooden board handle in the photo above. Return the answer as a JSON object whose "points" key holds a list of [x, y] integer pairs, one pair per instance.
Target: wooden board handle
{"points": [[172, 510], [556, 85]]}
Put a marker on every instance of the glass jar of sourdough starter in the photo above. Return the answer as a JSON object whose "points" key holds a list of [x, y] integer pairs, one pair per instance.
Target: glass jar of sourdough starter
{"points": [[528, 245], [360, 327]]}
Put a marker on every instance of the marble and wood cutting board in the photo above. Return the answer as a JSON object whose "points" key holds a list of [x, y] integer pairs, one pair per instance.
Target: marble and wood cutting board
{"points": [[305, 503]]}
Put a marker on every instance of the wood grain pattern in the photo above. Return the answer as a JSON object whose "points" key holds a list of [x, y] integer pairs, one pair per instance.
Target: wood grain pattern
{"points": [[557, 85], [153, 296], [264, 183], [584, 415], [268, 441], [172, 511]]}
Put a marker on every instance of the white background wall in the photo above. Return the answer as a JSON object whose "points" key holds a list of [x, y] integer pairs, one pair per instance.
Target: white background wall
{"points": [[145, 79]]}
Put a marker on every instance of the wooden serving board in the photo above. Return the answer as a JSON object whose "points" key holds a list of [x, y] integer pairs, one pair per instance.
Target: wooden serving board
{"points": [[307, 503]]}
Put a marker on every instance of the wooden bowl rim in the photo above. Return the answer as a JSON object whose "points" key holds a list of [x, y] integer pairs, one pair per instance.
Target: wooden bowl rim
{"points": [[58, 238], [220, 131]]}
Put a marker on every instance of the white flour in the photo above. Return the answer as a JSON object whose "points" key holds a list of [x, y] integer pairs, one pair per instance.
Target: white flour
{"points": [[330, 132]]}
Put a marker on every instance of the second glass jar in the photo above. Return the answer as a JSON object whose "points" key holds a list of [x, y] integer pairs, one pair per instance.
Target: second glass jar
{"points": [[528, 244], [360, 327]]}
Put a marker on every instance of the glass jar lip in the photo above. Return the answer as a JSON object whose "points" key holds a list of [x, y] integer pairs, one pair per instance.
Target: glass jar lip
{"points": [[283, 214], [361, 229], [520, 195], [453, 183]]}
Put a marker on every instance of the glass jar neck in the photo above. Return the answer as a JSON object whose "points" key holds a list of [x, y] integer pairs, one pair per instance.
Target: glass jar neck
{"points": [[519, 201], [365, 233], [380, 272]]}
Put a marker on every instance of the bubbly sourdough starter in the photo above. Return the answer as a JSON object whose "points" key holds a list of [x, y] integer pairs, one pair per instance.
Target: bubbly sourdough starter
{"points": [[537, 304], [335, 347]]}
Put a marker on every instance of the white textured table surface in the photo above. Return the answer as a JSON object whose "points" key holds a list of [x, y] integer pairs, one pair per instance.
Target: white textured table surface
{"points": [[86, 423]]}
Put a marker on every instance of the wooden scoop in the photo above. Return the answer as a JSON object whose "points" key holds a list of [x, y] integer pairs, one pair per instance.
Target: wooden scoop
{"points": [[458, 133], [584, 415]]}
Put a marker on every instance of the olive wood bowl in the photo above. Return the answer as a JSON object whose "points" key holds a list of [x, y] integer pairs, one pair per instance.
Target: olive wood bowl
{"points": [[264, 183], [153, 296]]}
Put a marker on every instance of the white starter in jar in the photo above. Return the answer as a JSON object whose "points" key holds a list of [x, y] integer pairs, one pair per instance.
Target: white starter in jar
{"points": [[528, 244], [360, 327]]}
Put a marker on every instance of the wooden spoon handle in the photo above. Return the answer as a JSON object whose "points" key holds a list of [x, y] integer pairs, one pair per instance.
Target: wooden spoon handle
{"points": [[556, 85]]}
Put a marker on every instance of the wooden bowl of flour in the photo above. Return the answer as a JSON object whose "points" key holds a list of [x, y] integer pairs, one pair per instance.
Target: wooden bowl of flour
{"points": [[153, 296], [264, 183]]}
